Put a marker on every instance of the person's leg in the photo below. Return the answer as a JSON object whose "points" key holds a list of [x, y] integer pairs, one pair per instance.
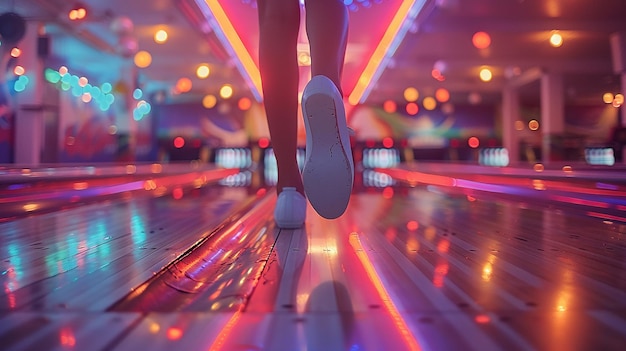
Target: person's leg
{"points": [[328, 171], [279, 22], [327, 30]]}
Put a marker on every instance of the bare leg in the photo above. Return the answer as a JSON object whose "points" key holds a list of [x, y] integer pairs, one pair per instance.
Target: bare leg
{"points": [[279, 22], [327, 29]]}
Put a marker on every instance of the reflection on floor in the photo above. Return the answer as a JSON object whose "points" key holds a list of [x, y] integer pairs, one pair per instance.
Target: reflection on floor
{"points": [[450, 258]]}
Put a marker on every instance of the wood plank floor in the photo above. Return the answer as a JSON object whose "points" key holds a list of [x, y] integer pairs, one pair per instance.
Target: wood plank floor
{"points": [[421, 267]]}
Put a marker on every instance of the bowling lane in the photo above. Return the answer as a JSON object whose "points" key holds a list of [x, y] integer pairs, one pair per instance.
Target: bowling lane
{"points": [[87, 257], [27, 191], [422, 268], [426, 267]]}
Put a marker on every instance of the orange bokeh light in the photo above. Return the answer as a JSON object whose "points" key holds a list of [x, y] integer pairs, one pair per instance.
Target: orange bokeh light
{"points": [[442, 95], [389, 106], [174, 333], [244, 104], [183, 85], [481, 40]]}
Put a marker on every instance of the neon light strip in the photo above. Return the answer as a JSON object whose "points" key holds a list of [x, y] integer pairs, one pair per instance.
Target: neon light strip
{"points": [[232, 42], [400, 323], [221, 338], [386, 48]]}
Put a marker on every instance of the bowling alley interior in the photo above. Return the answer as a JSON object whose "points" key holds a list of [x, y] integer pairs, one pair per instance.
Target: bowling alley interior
{"points": [[138, 180]]}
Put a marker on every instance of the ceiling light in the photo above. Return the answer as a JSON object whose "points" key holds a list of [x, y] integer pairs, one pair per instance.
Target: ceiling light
{"points": [[183, 85], [143, 59], [78, 12], [411, 94], [389, 106], [244, 104], [209, 101], [203, 71], [412, 108], [429, 103], [556, 39], [442, 95], [481, 40], [485, 75], [160, 36], [226, 91]]}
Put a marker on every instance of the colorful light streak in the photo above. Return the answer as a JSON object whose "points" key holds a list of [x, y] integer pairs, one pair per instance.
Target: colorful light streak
{"points": [[565, 194], [399, 25], [221, 338], [376, 281], [228, 36], [396, 30]]}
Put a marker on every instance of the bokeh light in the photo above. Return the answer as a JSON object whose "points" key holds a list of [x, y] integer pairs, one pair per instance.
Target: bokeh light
{"points": [[160, 36], [485, 74], [19, 70], [533, 124], [390, 106], [209, 101], [619, 99], [143, 59], [137, 94], [442, 95], [183, 85], [226, 91], [412, 108], [304, 58], [608, 98], [264, 143], [481, 40], [556, 39], [473, 142], [15, 52], [436, 73], [179, 142], [203, 71], [411, 94], [86, 97], [244, 104], [77, 13], [429, 103]]}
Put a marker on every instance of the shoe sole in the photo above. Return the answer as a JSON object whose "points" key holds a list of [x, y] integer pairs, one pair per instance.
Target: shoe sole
{"points": [[328, 171]]}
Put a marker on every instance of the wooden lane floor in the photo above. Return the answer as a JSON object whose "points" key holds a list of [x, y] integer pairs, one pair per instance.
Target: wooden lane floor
{"points": [[422, 268]]}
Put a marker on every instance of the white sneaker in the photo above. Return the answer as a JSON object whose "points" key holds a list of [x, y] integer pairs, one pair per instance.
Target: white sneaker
{"points": [[290, 210], [328, 171]]}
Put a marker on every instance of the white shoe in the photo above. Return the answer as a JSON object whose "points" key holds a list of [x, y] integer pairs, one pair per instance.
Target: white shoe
{"points": [[290, 210], [328, 171]]}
